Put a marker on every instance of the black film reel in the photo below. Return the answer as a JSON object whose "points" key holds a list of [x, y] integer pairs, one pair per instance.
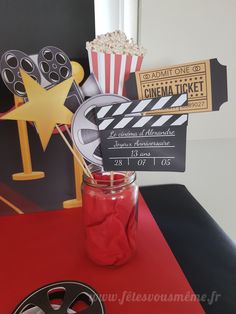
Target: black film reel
{"points": [[84, 129], [11, 63], [54, 64], [65, 297]]}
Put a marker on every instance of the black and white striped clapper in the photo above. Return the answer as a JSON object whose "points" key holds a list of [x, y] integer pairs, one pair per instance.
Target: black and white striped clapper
{"points": [[133, 114], [133, 122], [142, 106]]}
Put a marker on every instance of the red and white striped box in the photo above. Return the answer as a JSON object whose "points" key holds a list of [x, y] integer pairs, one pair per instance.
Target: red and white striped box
{"points": [[112, 70]]}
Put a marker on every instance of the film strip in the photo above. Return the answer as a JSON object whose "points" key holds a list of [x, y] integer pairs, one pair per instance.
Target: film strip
{"points": [[62, 297]]}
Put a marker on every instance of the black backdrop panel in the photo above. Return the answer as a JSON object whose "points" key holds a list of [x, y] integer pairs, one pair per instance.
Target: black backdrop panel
{"points": [[29, 26]]}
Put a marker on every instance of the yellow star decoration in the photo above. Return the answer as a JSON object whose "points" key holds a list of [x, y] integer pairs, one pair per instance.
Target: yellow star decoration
{"points": [[45, 107]]}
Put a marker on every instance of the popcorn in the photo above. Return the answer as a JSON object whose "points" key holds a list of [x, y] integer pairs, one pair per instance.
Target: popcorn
{"points": [[112, 57], [115, 42]]}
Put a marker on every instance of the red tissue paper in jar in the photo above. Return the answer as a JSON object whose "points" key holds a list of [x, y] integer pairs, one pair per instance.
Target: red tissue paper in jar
{"points": [[110, 217]]}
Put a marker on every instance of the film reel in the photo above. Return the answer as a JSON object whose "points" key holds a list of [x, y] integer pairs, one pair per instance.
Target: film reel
{"points": [[65, 297], [11, 63], [56, 67], [84, 129], [50, 67], [54, 64]]}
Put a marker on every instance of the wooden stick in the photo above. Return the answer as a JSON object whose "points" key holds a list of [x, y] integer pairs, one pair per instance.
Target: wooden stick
{"points": [[73, 152], [15, 208], [126, 175], [68, 131], [83, 161], [112, 178]]}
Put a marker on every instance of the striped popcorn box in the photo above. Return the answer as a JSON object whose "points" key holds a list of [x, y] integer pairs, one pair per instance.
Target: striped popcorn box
{"points": [[112, 70]]}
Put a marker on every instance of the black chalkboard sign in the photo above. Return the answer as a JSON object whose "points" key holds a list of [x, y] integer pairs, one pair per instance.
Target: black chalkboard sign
{"points": [[145, 148], [133, 139]]}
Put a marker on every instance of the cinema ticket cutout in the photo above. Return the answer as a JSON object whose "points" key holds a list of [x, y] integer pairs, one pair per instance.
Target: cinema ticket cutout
{"points": [[205, 82]]}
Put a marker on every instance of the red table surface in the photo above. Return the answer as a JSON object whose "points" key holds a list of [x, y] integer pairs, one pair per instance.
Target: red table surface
{"points": [[41, 248]]}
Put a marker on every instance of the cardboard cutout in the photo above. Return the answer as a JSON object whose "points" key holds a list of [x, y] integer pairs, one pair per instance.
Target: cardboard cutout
{"points": [[205, 82]]}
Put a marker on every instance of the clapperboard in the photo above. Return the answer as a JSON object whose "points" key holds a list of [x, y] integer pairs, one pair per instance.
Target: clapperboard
{"points": [[133, 139]]}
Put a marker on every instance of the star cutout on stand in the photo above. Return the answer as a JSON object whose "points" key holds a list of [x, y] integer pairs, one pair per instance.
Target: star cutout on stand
{"points": [[44, 107]]}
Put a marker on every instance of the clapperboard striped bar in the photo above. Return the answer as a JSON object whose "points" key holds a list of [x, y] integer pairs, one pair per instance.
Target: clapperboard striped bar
{"points": [[142, 106], [140, 121]]}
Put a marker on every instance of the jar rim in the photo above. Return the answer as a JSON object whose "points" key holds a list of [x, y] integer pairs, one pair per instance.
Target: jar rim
{"points": [[128, 178]]}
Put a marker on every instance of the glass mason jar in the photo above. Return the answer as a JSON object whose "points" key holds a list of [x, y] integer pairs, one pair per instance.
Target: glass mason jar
{"points": [[110, 216]]}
